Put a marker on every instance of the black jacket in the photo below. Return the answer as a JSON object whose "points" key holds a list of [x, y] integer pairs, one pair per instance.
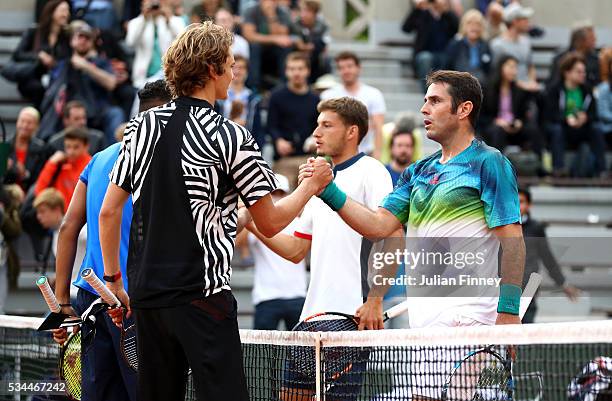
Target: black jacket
{"points": [[490, 104], [538, 250], [421, 21], [35, 159], [28, 48], [554, 104]]}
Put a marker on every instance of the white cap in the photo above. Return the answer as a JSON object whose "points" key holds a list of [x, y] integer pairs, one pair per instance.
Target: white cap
{"points": [[283, 184], [515, 10]]}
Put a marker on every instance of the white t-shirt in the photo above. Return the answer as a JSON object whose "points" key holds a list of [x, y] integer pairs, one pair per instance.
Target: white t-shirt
{"points": [[240, 46], [275, 277], [374, 101], [338, 277]]}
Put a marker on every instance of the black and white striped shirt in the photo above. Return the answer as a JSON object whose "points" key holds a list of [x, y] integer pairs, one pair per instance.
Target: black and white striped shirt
{"points": [[185, 175]]}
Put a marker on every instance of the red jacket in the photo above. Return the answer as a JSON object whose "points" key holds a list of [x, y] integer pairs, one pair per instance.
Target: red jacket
{"points": [[66, 180]]}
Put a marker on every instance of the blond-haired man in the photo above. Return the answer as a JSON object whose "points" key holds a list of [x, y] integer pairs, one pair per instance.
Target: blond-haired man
{"points": [[185, 167]]}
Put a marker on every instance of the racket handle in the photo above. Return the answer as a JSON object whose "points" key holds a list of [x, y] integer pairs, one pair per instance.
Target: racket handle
{"points": [[535, 279], [48, 295], [93, 280], [396, 310]]}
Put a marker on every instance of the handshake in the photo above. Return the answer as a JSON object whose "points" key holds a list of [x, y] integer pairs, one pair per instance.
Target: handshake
{"points": [[316, 173], [318, 176]]}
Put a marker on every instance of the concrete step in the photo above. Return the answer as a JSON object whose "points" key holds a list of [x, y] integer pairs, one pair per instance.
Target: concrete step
{"points": [[9, 43], [390, 85], [381, 68], [8, 91], [15, 21], [10, 111], [367, 51]]}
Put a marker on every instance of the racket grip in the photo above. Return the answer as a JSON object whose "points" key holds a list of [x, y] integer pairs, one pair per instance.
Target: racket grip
{"points": [[93, 280], [396, 310], [48, 295]]}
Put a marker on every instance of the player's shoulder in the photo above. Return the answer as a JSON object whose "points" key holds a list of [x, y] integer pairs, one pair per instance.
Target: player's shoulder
{"points": [[488, 154]]}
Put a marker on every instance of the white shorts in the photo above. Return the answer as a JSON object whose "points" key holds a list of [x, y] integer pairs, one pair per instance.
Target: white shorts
{"points": [[432, 366]]}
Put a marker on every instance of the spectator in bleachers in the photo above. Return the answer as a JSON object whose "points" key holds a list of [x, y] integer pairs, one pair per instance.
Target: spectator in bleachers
{"points": [[569, 114], [240, 47], [50, 208], [604, 104], [62, 170], [348, 66], [11, 229], [150, 34], [292, 117], [206, 10], [97, 13], [40, 48], [495, 20], [583, 41], [313, 36], [515, 42], [504, 110], [28, 153], [402, 152], [435, 25], [238, 93], [266, 28], [470, 52], [75, 116], [86, 77], [178, 10], [538, 250], [109, 47]]}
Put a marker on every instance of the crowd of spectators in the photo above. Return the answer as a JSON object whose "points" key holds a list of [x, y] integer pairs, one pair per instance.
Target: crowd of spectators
{"points": [[82, 64], [568, 110]]}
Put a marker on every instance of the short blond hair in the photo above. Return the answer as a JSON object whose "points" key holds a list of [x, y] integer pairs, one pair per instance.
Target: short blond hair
{"points": [[50, 197], [188, 60], [469, 16]]}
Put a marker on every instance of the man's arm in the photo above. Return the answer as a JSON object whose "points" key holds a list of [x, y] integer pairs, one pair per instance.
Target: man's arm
{"points": [[270, 218], [103, 78], [512, 263], [286, 246], [378, 120], [67, 242], [371, 224], [371, 313], [110, 239], [249, 32]]}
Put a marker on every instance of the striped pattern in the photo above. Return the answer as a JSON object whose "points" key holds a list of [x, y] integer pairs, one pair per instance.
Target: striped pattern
{"points": [[205, 165]]}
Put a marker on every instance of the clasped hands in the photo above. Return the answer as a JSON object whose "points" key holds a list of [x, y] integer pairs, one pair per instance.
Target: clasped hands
{"points": [[317, 173]]}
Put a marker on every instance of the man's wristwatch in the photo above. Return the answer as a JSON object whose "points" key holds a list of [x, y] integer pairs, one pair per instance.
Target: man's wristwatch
{"points": [[113, 278]]}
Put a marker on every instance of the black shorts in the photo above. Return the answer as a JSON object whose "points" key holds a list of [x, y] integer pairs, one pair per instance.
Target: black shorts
{"points": [[202, 335]]}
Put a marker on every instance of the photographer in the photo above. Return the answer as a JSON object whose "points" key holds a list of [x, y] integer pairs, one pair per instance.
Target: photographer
{"points": [[150, 34], [435, 24]]}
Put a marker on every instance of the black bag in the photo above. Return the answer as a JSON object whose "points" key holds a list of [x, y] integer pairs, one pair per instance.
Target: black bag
{"points": [[19, 71]]}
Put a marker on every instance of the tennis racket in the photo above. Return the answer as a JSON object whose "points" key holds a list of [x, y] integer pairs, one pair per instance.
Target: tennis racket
{"points": [[70, 365], [128, 335], [70, 351], [484, 373], [338, 360]]}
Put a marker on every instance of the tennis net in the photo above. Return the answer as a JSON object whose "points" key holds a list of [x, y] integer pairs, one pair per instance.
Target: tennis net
{"points": [[554, 361]]}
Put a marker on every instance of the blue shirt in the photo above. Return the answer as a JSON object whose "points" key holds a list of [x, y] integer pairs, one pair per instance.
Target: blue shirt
{"points": [[96, 177]]}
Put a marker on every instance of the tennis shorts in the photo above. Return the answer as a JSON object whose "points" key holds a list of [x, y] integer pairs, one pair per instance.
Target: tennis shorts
{"points": [[431, 367], [202, 335], [346, 387]]}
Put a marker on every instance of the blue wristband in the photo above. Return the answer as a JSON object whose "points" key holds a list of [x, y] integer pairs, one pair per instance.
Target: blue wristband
{"points": [[509, 299], [333, 196]]}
